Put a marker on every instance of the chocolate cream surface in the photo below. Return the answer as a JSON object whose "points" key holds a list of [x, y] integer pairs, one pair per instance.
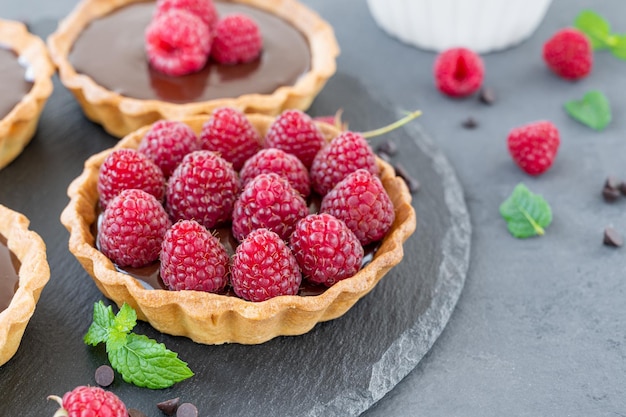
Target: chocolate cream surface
{"points": [[13, 83], [9, 278], [111, 51]]}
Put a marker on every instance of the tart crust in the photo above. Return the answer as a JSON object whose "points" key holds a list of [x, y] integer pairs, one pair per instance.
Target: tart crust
{"points": [[211, 318], [18, 127], [34, 273], [120, 115]]}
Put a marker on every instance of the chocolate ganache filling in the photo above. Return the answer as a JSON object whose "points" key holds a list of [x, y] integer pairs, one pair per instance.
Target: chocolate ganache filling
{"points": [[9, 278], [13, 83], [111, 51]]}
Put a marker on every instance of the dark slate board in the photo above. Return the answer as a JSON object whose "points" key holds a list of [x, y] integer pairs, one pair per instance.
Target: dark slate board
{"points": [[340, 368]]}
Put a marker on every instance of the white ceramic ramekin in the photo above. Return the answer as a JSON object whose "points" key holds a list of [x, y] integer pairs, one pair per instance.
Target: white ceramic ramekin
{"points": [[480, 25]]}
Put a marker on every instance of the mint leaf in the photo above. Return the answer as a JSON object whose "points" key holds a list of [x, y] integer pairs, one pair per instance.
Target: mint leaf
{"points": [[115, 341], [526, 214], [618, 46], [103, 319], [126, 319], [592, 110], [595, 27], [598, 30], [147, 363], [140, 360]]}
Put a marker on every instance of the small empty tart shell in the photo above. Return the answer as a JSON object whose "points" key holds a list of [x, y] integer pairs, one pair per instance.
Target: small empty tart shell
{"points": [[120, 115], [212, 318], [18, 127], [34, 273]]}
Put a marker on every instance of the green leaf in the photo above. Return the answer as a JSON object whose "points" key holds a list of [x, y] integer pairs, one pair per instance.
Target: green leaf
{"points": [[147, 363], [595, 27], [140, 360], [592, 110], [126, 319], [618, 46], [103, 319], [116, 340], [526, 214]]}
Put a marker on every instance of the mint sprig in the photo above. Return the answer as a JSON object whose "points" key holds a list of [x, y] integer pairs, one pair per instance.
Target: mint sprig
{"points": [[599, 32], [593, 110], [526, 214], [619, 46], [596, 27], [141, 361]]}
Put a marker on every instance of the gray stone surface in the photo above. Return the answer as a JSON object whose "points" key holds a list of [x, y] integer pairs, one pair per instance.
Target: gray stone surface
{"points": [[340, 368], [539, 327]]}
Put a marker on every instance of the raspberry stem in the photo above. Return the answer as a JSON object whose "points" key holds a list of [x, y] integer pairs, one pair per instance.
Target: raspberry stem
{"points": [[390, 127], [61, 412], [339, 124]]}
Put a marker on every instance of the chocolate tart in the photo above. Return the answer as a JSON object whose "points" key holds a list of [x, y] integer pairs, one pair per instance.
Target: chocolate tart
{"points": [[25, 85], [24, 269], [212, 318], [148, 96]]}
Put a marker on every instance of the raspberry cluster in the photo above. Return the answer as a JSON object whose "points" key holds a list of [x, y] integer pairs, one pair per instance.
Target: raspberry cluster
{"points": [[184, 34], [268, 205]]}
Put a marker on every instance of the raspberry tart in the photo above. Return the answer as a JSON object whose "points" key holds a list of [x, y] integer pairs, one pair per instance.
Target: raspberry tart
{"points": [[24, 271], [100, 53], [227, 316], [25, 85]]}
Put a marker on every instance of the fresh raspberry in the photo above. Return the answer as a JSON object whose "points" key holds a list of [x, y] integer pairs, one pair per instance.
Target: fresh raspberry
{"points": [[132, 229], [237, 40], [125, 169], [166, 144], [203, 187], [345, 154], [229, 133], [295, 132], [534, 146], [326, 249], [268, 201], [204, 9], [193, 259], [90, 401], [458, 72], [279, 162], [177, 43], [264, 267], [363, 204], [569, 54]]}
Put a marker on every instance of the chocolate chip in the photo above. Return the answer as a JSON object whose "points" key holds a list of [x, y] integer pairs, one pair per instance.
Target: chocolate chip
{"points": [[411, 182], [470, 123], [133, 412], [487, 95], [187, 410], [610, 194], [389, 147], [612, 238], [613, 182], [612, 188], [169, 406], [104, 375]]}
